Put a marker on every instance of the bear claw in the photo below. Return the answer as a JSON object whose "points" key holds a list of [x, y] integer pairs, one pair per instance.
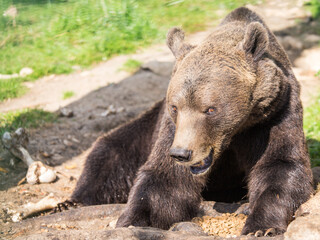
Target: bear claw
{"points": [[66, 205], [271, 232]]}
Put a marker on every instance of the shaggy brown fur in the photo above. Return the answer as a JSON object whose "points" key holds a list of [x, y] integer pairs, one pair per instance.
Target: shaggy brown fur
{"points": [[231, 122]]}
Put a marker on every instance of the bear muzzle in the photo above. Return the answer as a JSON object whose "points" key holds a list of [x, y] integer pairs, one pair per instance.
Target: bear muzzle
{"points": [[184, 156], [202, 166]]}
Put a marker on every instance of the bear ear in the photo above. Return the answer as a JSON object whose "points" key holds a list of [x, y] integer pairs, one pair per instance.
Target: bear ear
{"points": [[175, 41], [256, 40]]}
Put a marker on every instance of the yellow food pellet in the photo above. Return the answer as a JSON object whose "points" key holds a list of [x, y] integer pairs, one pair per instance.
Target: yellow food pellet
{"points": [[225, 225]]}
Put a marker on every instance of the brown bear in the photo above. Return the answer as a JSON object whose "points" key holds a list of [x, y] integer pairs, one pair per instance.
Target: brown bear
{"points": [[230, 126]]}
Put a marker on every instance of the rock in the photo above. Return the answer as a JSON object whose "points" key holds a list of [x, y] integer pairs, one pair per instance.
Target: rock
{"points": [[136, 233], [312, 206], [6, 140], [112, 110], [57, 157], [222, 207], [16, 143], [244, 209], [25, 71], [113, 223], [67, 143], [316, 176], [66, 112], [98, 222], [206, 209], [188, 227], [306, 228], [74, 140], [214, 209]]}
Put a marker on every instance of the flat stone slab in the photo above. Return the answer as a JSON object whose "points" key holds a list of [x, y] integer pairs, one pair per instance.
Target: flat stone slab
{"points": [[98, 222]]}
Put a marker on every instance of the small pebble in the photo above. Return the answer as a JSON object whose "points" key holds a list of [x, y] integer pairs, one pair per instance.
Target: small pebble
{"points": [[66, 112]]}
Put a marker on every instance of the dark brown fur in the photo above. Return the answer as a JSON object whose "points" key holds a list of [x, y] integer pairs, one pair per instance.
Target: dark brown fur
{"points": [[255, 135]]}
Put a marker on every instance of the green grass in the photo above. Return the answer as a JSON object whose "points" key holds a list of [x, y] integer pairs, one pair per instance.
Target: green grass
{"points": [[131, 65], [11, 88], [51, 36], [312, 130], [314, 7], [68, 94], [27, 118]]}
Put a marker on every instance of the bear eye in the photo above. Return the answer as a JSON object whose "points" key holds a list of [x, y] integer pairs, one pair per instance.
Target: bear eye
{"points": [[174, 109], [210, 110]]}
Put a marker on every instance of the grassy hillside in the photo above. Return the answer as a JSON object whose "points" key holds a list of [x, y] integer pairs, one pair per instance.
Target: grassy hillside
{"points": [[51, 36]]}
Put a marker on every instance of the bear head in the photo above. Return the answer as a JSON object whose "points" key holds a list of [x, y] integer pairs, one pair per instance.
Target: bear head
{"points": [[218, 89]]}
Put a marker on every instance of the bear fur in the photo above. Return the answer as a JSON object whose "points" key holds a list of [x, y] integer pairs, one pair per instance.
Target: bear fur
{"points": [[230, 126]]}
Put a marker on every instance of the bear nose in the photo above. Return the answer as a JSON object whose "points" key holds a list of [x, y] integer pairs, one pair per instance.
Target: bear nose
{"points": [[181, 155]]}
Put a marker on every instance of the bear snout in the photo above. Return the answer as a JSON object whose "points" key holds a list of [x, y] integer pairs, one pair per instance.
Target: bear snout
{"points": [[180, 154]]}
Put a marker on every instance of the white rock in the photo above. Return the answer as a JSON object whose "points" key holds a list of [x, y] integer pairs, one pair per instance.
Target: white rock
{"points": [[16, 217], [110, 111], [25, 71], [113, 224], [306, 228]]}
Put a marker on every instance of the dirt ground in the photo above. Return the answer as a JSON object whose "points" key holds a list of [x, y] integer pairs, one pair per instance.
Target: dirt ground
{"points": [[64, 144]]}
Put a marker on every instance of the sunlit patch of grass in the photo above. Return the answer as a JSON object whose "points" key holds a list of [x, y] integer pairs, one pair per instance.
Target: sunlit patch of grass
{"points": [[312, 130], [68, 94], [314, 7], [131, 65], [26, 118], [11, 88]]}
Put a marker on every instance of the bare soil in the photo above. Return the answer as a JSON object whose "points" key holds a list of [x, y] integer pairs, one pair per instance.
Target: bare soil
{"points": [[65, 143]]}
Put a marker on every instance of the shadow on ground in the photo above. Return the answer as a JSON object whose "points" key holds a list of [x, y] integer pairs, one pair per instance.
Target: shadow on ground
{"points": [[295, 39], [56, 143]]}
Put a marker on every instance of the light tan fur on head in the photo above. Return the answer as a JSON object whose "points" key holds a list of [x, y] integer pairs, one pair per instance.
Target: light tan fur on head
{"points": [[222, 73]]}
